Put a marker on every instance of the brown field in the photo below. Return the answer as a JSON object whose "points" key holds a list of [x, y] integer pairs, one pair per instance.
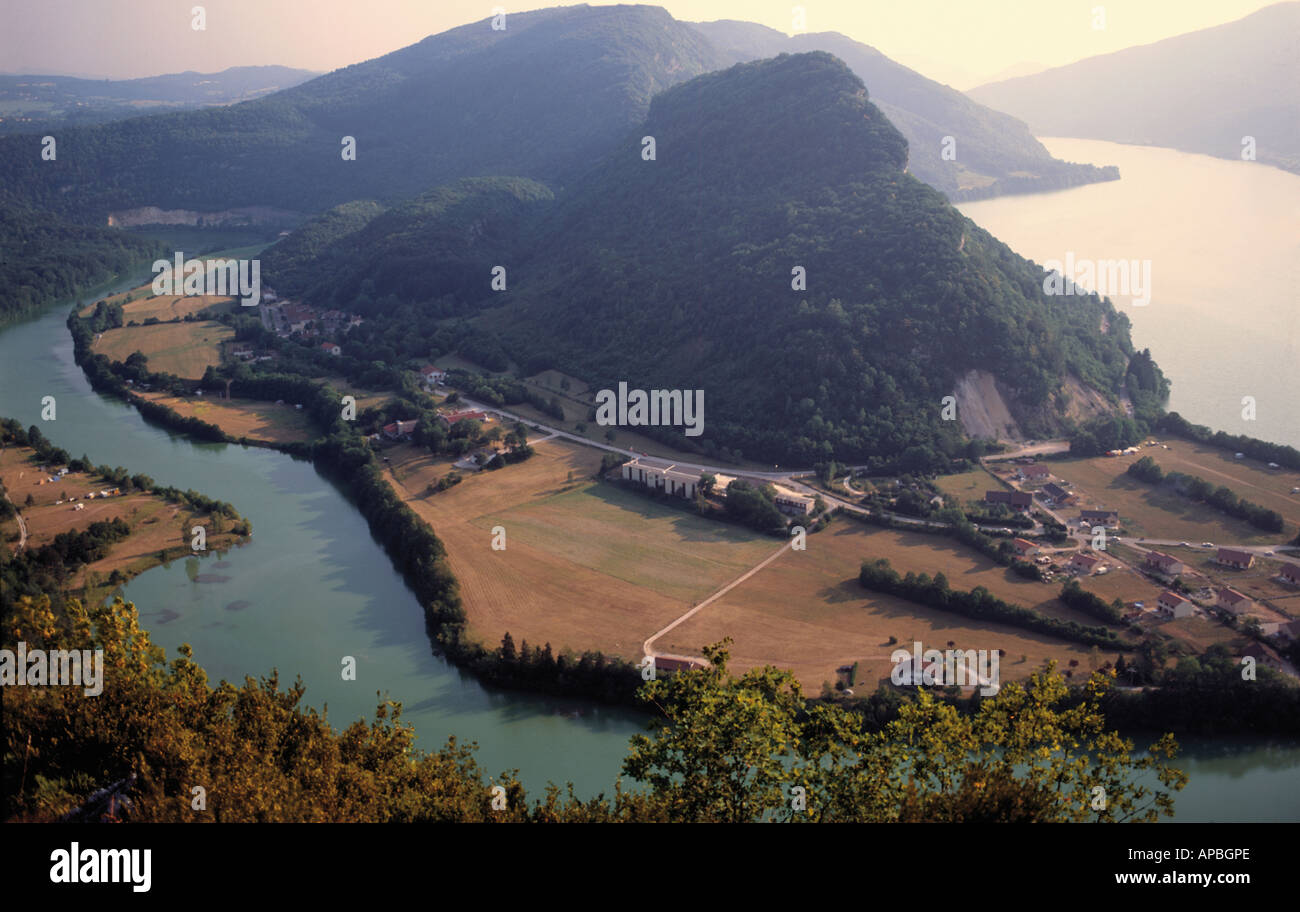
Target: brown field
{"points": [[171, 307], [966, 486], [366, 398], [156, 524], [807, 612], [251, 418], [587, 565], [183, 349], [1158, 512]]}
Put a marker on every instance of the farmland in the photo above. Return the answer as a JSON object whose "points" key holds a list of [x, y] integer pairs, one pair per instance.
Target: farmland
{"points": [[1159, 512], [255, 419], [156, 524], [587, 565], [183, 349], [807, 612]]}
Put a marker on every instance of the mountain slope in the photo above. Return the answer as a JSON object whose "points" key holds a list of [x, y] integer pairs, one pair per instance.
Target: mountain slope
{"points": [[677, 273], [544, 98], [1199, 92], [995, 153]]}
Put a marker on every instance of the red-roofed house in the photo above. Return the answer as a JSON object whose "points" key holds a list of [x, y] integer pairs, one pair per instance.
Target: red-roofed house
{"points": [[1164, 563], [1241, 560], [1290, 573], [450, 418], [432, 375], [330, 348], [1232, 601], [399, 429], [1171, 604], [1263, 654], [1084, 563], [1020, 501], [1107, 518], [1035, 472], [1024, 547]]}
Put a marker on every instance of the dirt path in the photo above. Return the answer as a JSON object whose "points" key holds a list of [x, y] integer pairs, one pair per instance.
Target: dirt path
{"points": [[22, 527], [648, 646]]}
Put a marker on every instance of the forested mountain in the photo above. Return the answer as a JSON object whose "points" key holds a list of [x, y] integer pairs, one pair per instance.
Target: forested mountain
{"points": [[995, 153], [34, 102], [544, 98], [676, 273], [1200, 92], [44, 258], [436, 250]]}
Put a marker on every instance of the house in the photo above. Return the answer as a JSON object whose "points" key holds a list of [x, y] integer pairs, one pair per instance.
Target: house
{"points": [[450, 418], [1055, 494], [1036, 472], [661, 475], [1160, 562], [1240, 560], [1289, 630], [400, 429], [788, 501], [1084, 563], [1024, 547], [1020, 501], [666, 665], [432, 376], [242, 351], [1290, 573], [1232, 601], [330, 348], [1107, 518], [1173, 605], [296, 316], [1264, 655]]}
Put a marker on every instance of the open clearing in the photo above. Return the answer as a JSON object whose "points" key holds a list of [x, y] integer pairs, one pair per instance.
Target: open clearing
{"points": [[1156, 511], [252, 418], [172, 307], [587, 565], [156, 525], [183, 349], [960, 488], [807, 612]]}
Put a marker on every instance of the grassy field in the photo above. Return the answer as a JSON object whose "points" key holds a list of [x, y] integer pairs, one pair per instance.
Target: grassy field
{"points": [[183, 349], [156, 525], [807, 612], [251, 418], [1159, 512], [172, 307], [586, 565], [965, 486]]}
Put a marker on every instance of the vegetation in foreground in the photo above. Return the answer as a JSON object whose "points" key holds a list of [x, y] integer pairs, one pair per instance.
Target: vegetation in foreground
{"points": [[723, 749]]}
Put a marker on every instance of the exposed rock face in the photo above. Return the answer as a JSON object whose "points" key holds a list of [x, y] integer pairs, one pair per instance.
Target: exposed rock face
{"points": [[246, 215]]}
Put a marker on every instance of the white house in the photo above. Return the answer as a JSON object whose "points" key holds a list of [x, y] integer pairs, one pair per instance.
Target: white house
{"points": [[661, 475]]}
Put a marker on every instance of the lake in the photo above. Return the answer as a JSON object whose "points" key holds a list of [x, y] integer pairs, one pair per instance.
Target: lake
{"points": [[1223, 241]]}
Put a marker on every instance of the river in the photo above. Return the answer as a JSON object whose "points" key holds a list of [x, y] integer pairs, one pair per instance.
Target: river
{"points": [[313, 586], [1223, 241]]}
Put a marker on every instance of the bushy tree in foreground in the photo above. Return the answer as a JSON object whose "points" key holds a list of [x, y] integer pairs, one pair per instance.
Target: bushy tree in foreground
{"points": [[726, 749]]}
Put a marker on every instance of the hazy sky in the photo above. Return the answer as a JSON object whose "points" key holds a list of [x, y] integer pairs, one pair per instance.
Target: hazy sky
{"points": [[962, 42]]}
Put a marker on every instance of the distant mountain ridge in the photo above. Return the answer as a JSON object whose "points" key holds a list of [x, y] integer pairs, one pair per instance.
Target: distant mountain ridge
{"points": [[35, 102], [1204, 91], [546, 98], [994, 153]]}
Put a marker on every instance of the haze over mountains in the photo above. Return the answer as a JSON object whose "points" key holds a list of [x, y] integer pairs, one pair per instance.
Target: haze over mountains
{"points": [[36, 102], [995, 153], [1199, 92], [545, 99]]}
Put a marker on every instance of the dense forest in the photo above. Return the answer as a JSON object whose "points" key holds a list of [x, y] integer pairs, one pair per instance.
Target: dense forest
{"points": [[44, 258]]}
